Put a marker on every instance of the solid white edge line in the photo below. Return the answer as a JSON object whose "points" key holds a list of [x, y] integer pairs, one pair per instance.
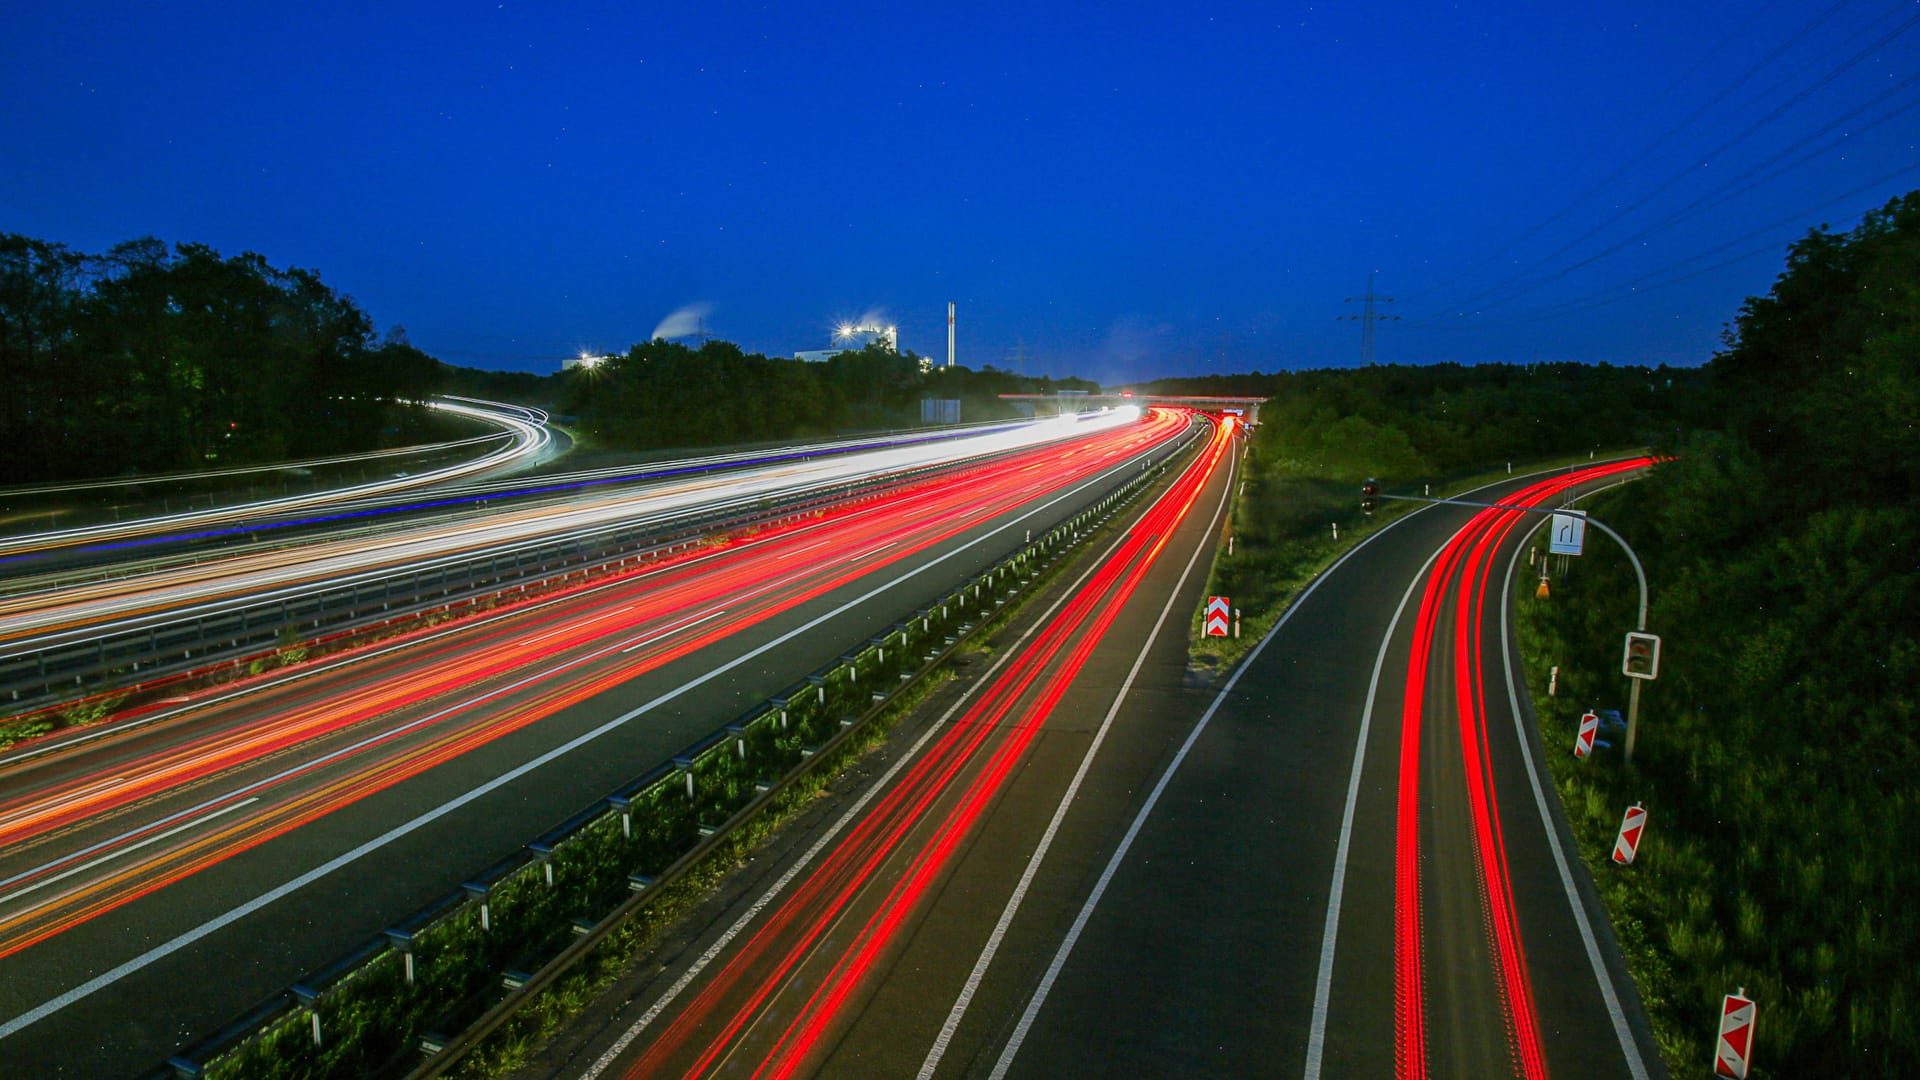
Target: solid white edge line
{"points": [[1323, 980], [1086, 911], [1629, 1046], [739, 925], [1113, 864], [162, 951], [1039, 856]]}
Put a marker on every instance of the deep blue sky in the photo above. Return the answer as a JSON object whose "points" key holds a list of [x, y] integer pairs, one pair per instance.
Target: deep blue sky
{"points": [[1120, 190]]}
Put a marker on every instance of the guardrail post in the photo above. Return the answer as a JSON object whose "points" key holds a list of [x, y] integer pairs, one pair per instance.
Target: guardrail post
{"points": [[403, 941], [309, 999], [484, 895], [685, 765], [625, 806], [545, 854]]}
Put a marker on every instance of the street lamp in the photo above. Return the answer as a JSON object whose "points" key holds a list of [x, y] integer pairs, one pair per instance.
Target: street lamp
{"points": [[1641, 662]]}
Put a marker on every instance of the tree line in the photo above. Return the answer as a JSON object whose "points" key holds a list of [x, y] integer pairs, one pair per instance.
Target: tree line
{"points": [[661, 394], [155, 358], [1778, 755], [1437, 420]]}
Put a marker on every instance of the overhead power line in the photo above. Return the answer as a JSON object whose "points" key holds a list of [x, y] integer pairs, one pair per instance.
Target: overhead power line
{"points": [[1665, 276], [1607, 182], [1766, 171], [1688, 171], [1368, 317]]}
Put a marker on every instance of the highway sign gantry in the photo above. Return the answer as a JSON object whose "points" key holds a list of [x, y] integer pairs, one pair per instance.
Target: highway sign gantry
{"points": [[1219, 610], [1583, 742], [1733, 1050], [1632, 825]]}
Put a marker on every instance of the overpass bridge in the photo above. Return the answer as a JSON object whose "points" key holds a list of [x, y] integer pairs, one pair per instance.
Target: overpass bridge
{"points": [[1081, 401]]}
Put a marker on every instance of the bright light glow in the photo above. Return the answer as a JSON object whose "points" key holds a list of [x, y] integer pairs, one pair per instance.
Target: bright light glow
{"points": [[590, 361], [60, 618], [1128, 412]]}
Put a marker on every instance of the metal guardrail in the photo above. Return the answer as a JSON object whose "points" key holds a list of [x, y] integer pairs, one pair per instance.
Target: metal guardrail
{"points": [[169, 647], [795, 730]]}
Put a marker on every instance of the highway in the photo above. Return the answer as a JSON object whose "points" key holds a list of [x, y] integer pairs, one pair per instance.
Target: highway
{"points": [[159, 880], [1354, 867], [523, 440], [842, 954], [1344, 862], [81, 612], [164, 615]]}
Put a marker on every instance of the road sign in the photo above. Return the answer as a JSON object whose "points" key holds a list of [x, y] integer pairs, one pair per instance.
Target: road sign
{"points": [[1628, 843], [1569, 533], [1734, 1048], [1641, 658], [1583, 742], [1218, 615]]}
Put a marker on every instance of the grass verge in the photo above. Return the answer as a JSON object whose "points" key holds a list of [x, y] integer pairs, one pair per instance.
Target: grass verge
{"points": [[513, 1044], [1289, 538]]}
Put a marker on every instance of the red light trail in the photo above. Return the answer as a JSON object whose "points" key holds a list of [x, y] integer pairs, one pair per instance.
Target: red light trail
{"points": [[1462, 569], [365, 728], [809, 943]]}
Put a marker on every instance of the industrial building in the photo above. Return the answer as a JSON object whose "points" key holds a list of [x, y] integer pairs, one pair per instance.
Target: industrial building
{"points": [[850, 337]]}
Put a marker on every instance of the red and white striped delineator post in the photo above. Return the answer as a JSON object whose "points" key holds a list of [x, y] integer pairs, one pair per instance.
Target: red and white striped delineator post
{"points": [[1631, 826], [1217, 615], [1734, 1049], [1583, 742]]}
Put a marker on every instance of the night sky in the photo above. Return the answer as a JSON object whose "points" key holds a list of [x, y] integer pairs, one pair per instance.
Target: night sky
{"points": [[1117, 191]]}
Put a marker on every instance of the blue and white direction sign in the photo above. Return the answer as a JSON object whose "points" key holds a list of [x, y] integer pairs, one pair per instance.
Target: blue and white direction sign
{"points": [[1569, 532]]}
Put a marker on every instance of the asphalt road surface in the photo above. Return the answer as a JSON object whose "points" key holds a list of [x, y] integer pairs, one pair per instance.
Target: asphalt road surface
{"points": [[158, 881], [1152, 889], [1362, 750]]}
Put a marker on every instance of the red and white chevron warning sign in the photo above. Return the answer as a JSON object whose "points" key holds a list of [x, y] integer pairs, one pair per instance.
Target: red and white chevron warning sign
{"points": [[1735, 1046], [1218, 612], [1583, 742], [1631, 826]]}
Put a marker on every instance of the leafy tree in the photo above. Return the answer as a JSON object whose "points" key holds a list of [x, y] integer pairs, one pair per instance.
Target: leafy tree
{"points": [[662, 394], [1779, 752], [151, 358]]}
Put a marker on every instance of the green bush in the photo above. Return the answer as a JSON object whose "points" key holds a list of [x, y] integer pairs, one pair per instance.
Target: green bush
{"points": [[1777, 755]]}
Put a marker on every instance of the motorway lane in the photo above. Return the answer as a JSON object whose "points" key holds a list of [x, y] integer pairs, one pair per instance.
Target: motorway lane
{"points": [[81, 612], [528, 442], [135, 1020], [910, 893], [1205, 950], [683, 599]]}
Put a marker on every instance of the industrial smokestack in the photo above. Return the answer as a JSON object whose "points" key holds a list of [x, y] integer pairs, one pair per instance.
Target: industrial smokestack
{"points": [[949, 333]]}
